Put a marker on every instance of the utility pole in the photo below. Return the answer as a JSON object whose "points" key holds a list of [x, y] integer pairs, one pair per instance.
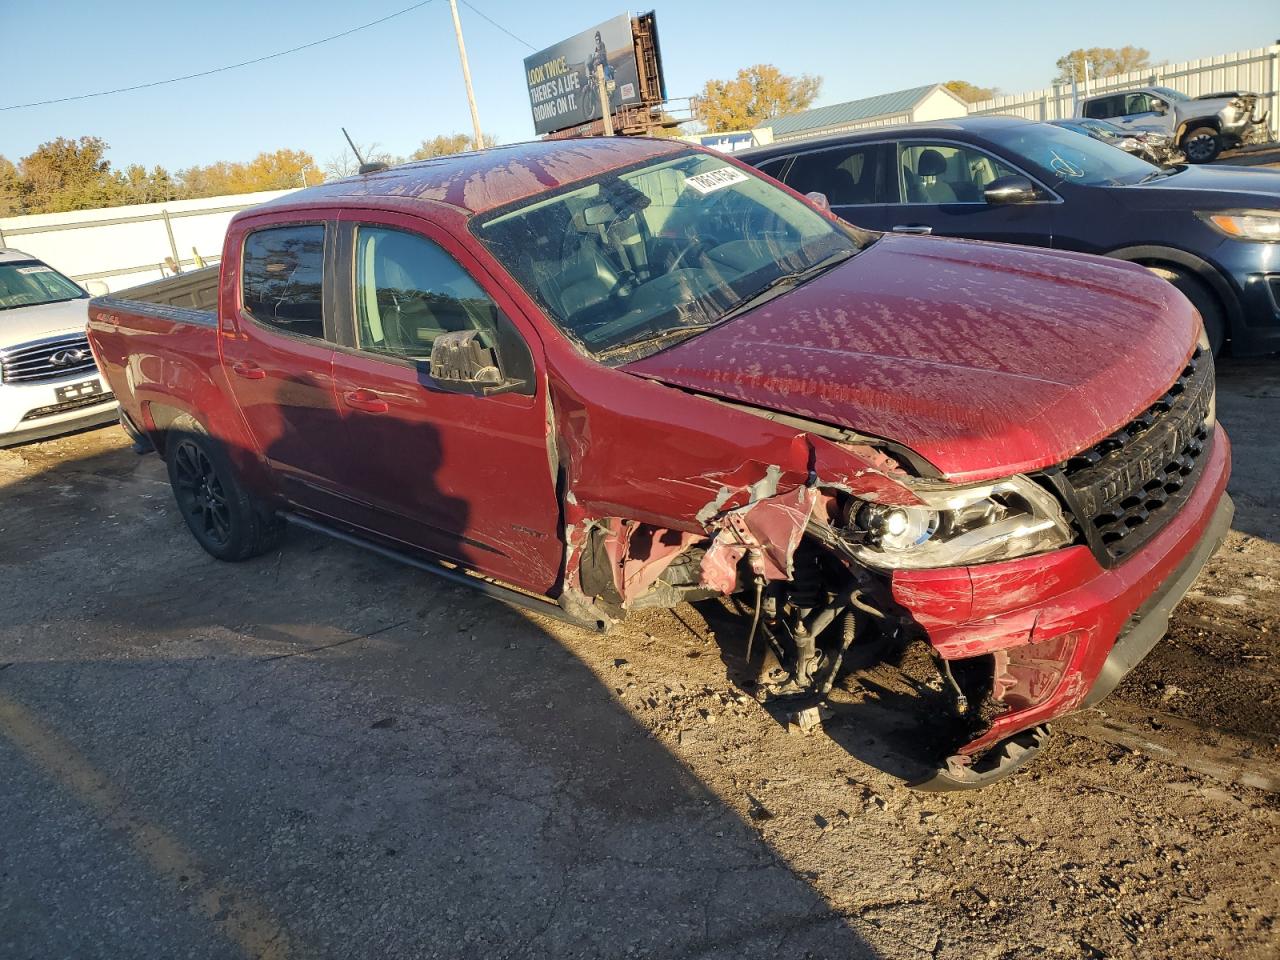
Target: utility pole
{"points": [[605, 113], [466, 77]]}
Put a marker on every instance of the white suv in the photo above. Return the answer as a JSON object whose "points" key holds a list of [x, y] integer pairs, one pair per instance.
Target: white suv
{"points": [[49, 383]]}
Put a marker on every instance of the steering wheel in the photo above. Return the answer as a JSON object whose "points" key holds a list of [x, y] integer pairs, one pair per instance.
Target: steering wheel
{"points": [[629, 321], [697, 247]]}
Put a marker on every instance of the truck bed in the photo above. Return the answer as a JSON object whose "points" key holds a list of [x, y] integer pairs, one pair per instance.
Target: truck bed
{"points": [[157, 347], [195, 290]]}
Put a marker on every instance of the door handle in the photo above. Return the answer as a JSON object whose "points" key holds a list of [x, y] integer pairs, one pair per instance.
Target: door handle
{"points": [[365, 400], [915, 229], [248, 370]]}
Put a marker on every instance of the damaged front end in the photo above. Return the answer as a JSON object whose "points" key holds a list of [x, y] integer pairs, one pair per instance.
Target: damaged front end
{"points": [[809, 556]]}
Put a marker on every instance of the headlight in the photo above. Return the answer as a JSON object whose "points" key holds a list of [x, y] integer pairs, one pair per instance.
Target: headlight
{"points": [[1246, 224], [959, 526]]}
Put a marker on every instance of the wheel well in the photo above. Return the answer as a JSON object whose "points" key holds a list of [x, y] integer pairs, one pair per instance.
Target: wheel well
{"points": [[1189, 125], [1206, 273], [162, 418]]}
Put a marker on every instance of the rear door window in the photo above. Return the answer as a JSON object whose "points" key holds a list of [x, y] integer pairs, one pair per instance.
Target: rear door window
{"points": [[282, 278], [1104, 108], [848, 176]]}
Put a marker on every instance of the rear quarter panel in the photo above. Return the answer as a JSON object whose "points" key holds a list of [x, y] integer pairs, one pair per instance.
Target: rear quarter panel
{"points": [[163, 362]]}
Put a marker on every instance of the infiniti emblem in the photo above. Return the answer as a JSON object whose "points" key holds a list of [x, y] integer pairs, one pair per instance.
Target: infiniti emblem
{"points": [[65, 358]]}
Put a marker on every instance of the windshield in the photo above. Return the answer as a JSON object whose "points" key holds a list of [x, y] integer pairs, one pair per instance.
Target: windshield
{"points": [[1170, 94], [28, 283], [636, 260], [1072, 158]]}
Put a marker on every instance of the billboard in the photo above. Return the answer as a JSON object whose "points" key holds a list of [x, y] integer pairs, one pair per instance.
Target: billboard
{"points": [[562, 78]]}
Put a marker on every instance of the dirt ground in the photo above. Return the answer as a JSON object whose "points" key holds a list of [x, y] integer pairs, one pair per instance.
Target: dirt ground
{"points": [[321, 754]]}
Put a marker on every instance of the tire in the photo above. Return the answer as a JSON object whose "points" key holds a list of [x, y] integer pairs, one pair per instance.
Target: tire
{"points": [[222, 516], [1203, 299], [1202, 145]]}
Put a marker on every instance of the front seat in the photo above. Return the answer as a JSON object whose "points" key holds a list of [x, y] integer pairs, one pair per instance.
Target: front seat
{"points": [[930, 166], [584, 281]]}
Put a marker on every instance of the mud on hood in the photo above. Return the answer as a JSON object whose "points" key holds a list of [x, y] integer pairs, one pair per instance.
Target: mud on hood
{"points": [[985, 359]]}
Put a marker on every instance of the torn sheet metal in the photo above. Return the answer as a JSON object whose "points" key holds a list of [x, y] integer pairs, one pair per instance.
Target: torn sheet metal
{"points": [[767, 530]]}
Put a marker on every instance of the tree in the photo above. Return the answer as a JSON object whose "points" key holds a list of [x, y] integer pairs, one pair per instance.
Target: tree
{"points": [[756, 95], [67, 174], [280, 170], [970, 92], [346, 164], [445, 144], [1103, 62], [10, 189], [138, 186]]}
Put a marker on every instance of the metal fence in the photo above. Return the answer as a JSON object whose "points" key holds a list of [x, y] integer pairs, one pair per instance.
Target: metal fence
{"points": [[124, 246], [1257, 70]]}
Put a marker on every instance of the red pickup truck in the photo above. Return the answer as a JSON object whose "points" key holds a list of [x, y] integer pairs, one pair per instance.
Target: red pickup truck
{"points": [[595, 376]]}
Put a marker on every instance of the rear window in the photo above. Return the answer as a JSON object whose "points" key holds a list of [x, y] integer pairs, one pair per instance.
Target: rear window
{"points": [[282, 278], [1104, 108]]}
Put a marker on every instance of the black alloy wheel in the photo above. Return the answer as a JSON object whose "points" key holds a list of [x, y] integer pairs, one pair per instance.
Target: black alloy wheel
{"points": [[201, 495]]}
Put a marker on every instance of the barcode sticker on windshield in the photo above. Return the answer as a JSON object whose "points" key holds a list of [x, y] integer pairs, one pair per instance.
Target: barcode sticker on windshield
{"points": [[715, 179], [25, 270]]}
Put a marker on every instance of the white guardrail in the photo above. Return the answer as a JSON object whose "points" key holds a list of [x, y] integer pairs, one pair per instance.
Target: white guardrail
{"points": [[1256, 70], [126, 246]]}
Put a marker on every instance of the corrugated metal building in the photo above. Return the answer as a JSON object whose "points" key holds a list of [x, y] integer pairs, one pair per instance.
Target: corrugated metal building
{"points": [[931, 102]]}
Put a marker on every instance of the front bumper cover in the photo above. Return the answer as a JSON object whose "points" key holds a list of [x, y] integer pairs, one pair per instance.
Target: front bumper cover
{"points": [[1151, 621]]}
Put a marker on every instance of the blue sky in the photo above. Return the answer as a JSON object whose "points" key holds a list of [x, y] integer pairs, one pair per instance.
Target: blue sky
{"points": [[399, 83]]}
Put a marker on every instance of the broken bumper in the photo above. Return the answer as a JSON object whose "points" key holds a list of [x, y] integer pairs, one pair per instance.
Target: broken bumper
{"points": [[1063, 630]]}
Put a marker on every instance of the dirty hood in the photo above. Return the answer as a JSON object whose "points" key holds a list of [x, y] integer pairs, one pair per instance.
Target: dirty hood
{"points": [[985, 359], [23, 324]]}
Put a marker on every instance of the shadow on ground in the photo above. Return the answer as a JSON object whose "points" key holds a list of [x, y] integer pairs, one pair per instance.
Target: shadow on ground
{"points": [[324, 754]]}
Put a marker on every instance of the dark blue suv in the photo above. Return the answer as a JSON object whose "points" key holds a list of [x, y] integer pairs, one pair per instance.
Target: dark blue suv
{"points": [[1214, 232]]}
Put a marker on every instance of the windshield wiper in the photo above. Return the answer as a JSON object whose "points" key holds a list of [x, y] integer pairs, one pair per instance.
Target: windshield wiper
{"points": [[1161, 172], [649, 339], [780, 285]]}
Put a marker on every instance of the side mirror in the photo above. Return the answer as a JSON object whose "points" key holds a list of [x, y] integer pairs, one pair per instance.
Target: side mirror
{"points": [[96, 288], [819, 200], [460, 361], [1010, 189]]}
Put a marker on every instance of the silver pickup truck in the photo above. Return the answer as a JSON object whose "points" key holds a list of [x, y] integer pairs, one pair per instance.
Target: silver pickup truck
{"points": [[1201, 126]]}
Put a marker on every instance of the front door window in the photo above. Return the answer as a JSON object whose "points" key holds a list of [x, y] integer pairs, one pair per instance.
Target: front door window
{"points": [[937, 173]]}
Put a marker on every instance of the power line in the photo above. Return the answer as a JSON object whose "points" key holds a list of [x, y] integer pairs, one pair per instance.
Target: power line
{"points": [[485, 16], [224, 69]]}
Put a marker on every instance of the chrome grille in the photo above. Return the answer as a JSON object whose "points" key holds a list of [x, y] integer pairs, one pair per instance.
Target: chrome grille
{"points": [[50, 359]]}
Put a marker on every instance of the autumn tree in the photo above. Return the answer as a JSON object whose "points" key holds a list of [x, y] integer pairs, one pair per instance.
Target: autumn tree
{"points": [[65, 174], [445, 144], [279, 170], [1102, 61], [10, 189], [211, 180], [756, 95], [138, 185], [970, 92]]}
